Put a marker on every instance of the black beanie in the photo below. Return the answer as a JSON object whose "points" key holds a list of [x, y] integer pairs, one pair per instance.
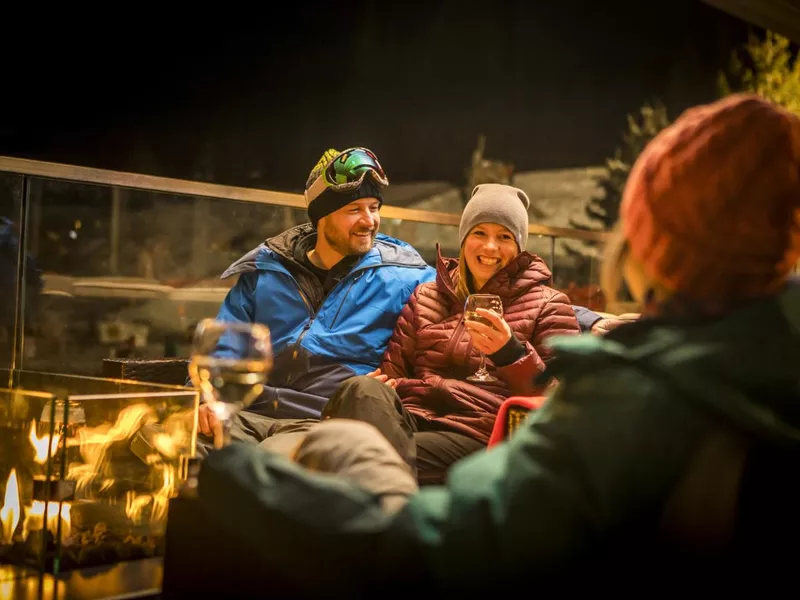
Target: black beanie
{"points": [[330, 200]]}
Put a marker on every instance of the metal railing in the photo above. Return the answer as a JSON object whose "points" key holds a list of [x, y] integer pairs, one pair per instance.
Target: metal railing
{"points": [[152, 183]]}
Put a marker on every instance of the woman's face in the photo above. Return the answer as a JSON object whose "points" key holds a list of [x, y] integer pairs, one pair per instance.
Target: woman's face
{"points": [[487, 249]]}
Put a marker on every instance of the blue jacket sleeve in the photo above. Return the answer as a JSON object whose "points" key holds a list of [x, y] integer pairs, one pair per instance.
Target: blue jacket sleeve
{"points": [[586, 318], [238, 307], [239, 304]]}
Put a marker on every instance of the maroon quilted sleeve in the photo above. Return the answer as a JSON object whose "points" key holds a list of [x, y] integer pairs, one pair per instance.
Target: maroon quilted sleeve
{"points": [[398, 360], [557, 317]]}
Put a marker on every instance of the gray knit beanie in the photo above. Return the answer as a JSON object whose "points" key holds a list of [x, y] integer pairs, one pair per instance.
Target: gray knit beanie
{"points": [[500, 204]]}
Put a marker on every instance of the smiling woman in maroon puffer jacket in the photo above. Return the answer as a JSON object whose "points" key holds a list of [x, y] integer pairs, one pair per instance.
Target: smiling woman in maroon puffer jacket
{"points": [[419, 398]]}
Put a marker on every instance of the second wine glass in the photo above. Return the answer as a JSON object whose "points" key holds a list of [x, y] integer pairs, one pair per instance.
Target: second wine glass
{"points": [[230, 365]]}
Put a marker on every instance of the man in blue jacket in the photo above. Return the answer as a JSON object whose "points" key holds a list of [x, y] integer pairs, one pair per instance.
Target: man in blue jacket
{"points": [[329, 291]]}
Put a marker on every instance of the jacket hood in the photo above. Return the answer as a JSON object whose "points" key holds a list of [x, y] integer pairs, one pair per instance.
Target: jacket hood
{"points": [[386, 251]]}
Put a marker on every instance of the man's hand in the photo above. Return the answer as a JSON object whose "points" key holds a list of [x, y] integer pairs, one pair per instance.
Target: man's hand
{"points": [[208, 424], [485, 338], [376, 374], [206, 420]]}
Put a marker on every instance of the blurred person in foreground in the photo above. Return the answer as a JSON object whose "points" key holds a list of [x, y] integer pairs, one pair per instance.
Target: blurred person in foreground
{"points": [[666, 455]]}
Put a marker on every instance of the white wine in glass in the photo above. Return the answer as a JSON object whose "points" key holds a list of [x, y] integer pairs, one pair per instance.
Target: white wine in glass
{"points": [[473, 303], [230, 365]]}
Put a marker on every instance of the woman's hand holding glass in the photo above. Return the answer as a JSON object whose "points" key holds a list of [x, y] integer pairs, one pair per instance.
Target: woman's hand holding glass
{"points": [[485, 338], [489, 331]]}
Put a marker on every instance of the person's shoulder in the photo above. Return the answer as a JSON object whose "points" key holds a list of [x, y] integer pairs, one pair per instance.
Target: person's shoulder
{"points": [[551, 294], [397, 253], [254, 260], [427, 289]]}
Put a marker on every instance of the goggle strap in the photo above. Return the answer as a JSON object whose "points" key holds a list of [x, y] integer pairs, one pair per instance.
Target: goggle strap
{"points": [[316, 188], [320, 185]]}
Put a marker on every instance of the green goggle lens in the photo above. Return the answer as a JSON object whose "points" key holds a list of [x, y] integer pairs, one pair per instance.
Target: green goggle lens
{"points": [[352, 165]]}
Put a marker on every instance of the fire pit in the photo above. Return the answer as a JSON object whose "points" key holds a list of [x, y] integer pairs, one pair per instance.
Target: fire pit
{"points": [[87, 468]]}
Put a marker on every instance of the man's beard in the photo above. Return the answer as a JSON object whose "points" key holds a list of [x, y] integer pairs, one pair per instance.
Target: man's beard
{"points": [[346, 245]]}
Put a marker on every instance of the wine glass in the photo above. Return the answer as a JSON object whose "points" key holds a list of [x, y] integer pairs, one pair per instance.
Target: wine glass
{"points": [[489, 302], [230, 365]]}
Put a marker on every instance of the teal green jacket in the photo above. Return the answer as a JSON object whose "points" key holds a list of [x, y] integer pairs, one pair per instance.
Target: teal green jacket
{"points": [[595, 470]]}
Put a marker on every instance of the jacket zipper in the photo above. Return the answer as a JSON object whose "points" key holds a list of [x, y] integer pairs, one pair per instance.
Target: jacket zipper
{"points": [[306, 301], [356, 274], [341, 304], [457, 334], [290, 376], [313, 313]]}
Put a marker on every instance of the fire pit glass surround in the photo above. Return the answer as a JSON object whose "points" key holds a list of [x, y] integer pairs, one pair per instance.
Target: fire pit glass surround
{"points": [[87, 468]]}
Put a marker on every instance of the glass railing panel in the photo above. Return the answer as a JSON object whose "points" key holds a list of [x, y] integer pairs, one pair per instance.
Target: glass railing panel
{"points": [[128, 273], [424, 237], [577, 272], [541, 246], [10, 203]]}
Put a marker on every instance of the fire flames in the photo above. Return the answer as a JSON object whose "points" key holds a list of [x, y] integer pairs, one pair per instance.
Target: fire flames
{"points": [[34, 518], [40, 445], [159, 447], [10, 513], [95, 443]]}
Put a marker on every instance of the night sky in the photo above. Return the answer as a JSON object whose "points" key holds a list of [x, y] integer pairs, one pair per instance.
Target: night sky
{"points": [[264, 93]]}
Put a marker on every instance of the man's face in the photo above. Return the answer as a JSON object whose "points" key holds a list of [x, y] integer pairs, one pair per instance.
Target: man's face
{"points": [[352, 229]]}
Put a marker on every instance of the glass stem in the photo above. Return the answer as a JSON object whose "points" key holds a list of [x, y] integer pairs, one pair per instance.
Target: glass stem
{"points": [[482, 368]]}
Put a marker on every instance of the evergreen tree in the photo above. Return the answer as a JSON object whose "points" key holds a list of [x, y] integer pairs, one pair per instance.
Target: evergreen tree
{"points": [[768, 68], [604, 208]]}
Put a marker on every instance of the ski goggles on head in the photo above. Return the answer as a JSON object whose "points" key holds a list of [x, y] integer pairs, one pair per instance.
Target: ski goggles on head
{"points": [[346, 172]]}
